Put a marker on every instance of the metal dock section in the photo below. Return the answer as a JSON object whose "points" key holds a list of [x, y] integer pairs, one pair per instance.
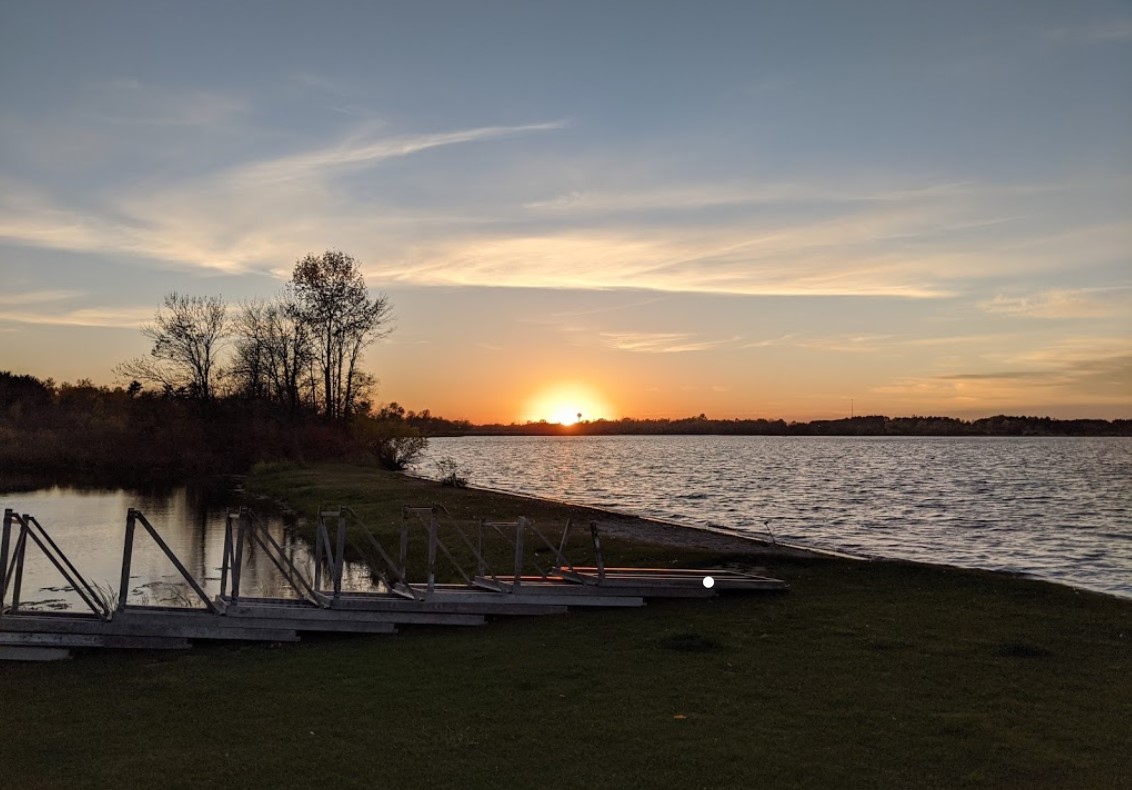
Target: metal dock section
{"points": [[440, 574]]}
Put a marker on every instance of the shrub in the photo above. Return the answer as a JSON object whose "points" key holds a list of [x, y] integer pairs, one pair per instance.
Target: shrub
{"points": [[398, 452], [448, 473]]}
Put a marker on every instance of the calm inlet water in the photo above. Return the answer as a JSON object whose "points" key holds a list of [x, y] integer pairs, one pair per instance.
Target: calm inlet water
{"points": [[90, 526], [1050, 508]]}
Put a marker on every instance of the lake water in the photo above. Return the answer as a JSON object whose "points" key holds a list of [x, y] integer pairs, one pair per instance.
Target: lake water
{"points": [[1050, 508], [89, 526], [1057, 509]]}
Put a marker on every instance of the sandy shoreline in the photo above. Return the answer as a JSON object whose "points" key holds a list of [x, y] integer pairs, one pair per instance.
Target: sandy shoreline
{"points": [[627, 526], [662, 533]]}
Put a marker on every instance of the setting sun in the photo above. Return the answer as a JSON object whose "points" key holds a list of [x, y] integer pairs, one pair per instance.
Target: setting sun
{"points": [[567, 404]]}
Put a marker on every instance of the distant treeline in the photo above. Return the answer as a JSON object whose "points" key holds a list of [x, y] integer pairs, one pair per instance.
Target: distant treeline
{"points": [[1000, 425], [130, 434], [83, 431]]}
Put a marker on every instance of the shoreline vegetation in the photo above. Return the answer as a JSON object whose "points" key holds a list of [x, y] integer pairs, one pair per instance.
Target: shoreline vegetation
{"points": [[863, 674]]}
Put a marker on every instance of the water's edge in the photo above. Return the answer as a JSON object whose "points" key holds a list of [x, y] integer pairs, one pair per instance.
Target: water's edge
{"points": [[1058, 510]]}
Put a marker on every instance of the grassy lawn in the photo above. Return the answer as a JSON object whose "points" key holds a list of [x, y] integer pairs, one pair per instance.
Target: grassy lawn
{"points": [[862, 675]]}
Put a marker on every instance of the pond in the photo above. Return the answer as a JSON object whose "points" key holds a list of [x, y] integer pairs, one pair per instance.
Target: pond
{"points": [[89, 526]]}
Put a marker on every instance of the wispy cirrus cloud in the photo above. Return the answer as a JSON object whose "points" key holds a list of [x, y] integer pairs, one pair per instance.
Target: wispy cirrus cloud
{"points": [[1103, 376], [311, 81], [116, 317], [769, 342], [1115, 29], [1073, 351], [29, 223], [857, 343], [1079, 370], [23, 299], [851, 343], [909, 241], [230, 222], [1065, 303], [251, 216], [899, 239], [661, 342], [362, 152], [708, 195], [132, 101], [1030, 376], [786, 263]]}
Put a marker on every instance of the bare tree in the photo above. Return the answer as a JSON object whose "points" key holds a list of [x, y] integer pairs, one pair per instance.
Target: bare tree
{"points": [[248, 372], [187, 333], [343, 320], [274, 351]]}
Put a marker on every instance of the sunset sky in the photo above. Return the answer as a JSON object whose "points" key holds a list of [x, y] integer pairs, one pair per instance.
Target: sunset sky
{"points": [[781, 210]]}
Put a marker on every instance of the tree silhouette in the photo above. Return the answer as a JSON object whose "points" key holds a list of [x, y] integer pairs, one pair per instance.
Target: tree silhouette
{"points": [[274, 352], [188, 333], [334, 302]]}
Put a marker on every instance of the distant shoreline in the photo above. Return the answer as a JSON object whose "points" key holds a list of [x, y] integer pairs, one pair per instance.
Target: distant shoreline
{"points": [[1000, 425]]}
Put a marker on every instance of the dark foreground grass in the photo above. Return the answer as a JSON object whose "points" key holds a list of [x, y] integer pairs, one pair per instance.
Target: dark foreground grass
{"points": [[863, 675]]}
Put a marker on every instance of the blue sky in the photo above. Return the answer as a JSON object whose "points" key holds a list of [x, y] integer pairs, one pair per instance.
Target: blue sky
{"points": [[744, 209]]}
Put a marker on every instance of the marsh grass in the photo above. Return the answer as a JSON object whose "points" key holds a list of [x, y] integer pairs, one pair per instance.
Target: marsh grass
{"points": [[107, 595], [863, 675]]}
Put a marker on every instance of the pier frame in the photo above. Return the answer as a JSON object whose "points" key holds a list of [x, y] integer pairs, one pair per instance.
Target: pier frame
{"points": [[36, 635], [13, 573], [133, 518], [251, 530]]}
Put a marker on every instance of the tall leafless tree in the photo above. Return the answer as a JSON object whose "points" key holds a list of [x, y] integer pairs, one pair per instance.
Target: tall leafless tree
{"points": [[274, 351], [343, 319], [188, 333]]}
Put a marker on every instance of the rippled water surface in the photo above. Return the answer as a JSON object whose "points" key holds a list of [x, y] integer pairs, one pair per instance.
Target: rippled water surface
{"points": [[1051, 508]]}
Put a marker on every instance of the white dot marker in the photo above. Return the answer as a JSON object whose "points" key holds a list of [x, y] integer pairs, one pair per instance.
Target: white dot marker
{"points": [[709, 582]]}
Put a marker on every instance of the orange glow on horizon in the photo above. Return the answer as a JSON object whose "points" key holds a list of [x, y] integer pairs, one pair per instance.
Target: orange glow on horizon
{"points": [[567, 403]]}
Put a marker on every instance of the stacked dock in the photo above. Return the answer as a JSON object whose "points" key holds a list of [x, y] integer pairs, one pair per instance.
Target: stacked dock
{"points": [[441, 574]]}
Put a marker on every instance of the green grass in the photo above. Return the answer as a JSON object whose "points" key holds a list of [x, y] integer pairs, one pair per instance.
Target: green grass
{"points": [[863, 675]]}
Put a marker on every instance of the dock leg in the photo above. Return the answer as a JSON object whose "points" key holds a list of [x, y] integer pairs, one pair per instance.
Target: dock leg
{"points": [[519, 530], [238, 556], [18, 561], [127, 560], [404, 558], [319, 536], [597, 552], [432, 553], [226, 563], [5, 540], [339, 557]]}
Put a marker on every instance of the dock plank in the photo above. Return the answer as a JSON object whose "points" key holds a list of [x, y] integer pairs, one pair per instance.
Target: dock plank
{"points": [[240, 612], [29, 653]]}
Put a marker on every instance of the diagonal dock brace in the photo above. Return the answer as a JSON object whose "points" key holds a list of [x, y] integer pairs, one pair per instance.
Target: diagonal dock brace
{"points": [[12, 574], [251, 530], [133, 518]]}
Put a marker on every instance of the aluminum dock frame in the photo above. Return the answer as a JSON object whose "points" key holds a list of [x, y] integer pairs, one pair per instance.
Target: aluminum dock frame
{"points": [[320, 603]]}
